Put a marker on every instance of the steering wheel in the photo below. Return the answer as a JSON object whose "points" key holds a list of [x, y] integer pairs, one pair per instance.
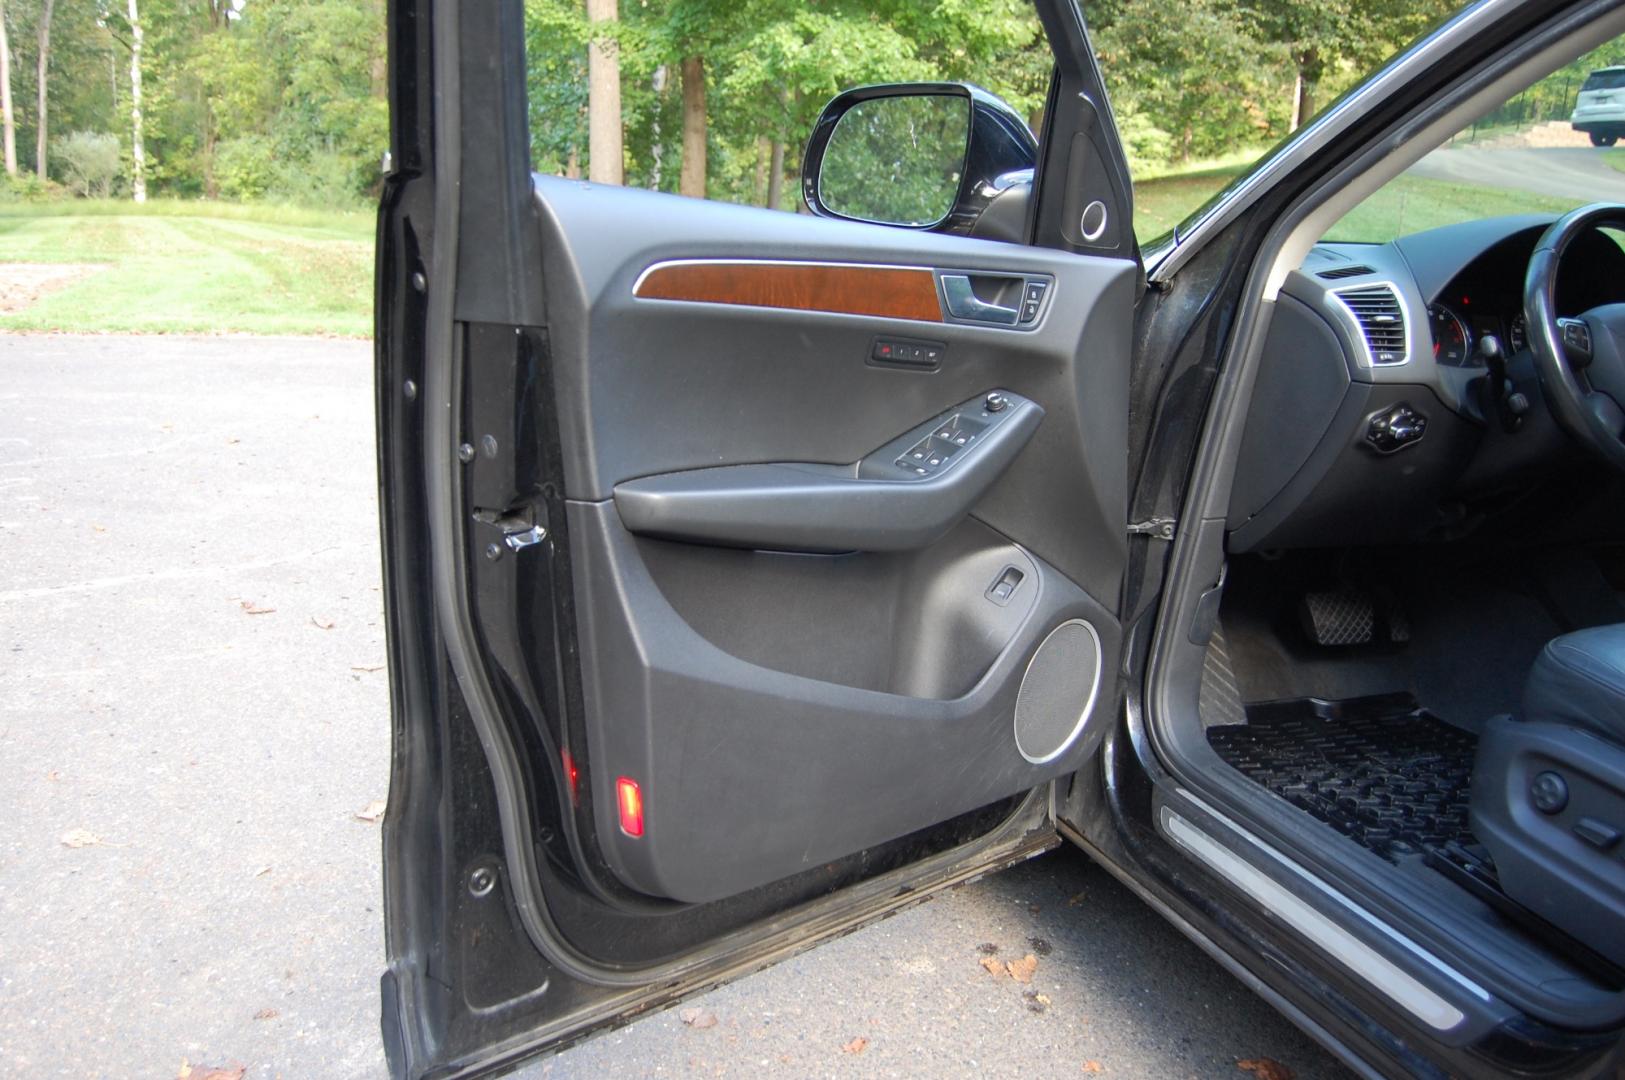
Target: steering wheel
{"points": [[1580, 361]]}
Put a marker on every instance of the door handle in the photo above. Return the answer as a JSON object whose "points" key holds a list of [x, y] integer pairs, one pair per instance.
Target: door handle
{"points": [[963, 303]]}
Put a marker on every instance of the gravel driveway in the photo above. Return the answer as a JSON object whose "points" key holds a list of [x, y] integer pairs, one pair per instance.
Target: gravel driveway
{"points": [[193, 712]]}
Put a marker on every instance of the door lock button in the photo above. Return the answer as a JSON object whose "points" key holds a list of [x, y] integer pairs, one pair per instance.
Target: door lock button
{"points": [[907, 352]]}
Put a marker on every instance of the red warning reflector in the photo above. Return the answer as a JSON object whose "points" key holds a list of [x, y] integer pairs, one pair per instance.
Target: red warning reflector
{"points": [[630, 798]]}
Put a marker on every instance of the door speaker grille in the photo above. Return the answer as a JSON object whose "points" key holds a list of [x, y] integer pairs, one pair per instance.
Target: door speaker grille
{"points": [[1058, 692]]}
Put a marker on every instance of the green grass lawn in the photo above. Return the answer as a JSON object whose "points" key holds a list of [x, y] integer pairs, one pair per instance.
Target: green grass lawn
{"points": [[1404, 205], [195, 267], [200, 267]]}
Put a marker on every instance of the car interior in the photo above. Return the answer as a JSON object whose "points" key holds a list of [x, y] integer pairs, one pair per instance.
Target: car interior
{"points": [[1401, 659]]}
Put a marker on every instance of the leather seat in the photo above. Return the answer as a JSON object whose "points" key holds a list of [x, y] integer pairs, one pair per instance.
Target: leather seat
{"points": [[1548, 790], [1579, 679]]}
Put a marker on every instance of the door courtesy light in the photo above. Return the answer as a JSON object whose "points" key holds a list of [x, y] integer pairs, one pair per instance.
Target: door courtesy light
{"points": [[630, 798], [572, 774]]}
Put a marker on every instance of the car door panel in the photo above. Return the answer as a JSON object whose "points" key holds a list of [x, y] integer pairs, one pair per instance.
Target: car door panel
{"points": [[788, 642], [647, 515]]}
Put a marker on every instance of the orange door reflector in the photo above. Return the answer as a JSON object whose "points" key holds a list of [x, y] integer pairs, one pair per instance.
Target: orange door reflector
{"points": [[630, 798]]}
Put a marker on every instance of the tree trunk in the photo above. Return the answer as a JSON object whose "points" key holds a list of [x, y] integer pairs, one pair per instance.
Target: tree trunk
{"points": [[775, 176], [1304, 107], [758, 176], [10, 118], [44, 63], [604, 153], [692, 179], [1309, 67], [138, 146]]}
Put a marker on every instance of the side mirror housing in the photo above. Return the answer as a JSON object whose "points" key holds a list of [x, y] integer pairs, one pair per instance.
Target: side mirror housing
{"points": [[926, 156]]}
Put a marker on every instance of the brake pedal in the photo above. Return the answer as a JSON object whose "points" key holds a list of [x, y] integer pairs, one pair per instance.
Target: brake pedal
{"points": [[1346, 618], [1338, 618]]}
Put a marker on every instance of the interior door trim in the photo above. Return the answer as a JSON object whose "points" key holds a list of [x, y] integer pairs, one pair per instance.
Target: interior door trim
{"points": [[892, 292]]}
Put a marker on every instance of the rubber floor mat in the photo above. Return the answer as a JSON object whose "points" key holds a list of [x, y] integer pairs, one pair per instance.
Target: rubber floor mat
{"points": [[1380, 770]]}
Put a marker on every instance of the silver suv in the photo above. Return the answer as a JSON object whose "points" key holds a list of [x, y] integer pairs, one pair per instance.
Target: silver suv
{"points": [[1599, 111]]}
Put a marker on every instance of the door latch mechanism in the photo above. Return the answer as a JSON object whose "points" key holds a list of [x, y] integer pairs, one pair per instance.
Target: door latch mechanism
{"points": [[1161, 528], [520, 526]]}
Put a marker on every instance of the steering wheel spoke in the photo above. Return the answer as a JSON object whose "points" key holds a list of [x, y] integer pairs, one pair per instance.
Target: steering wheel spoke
{"points": [[1607, 412]]}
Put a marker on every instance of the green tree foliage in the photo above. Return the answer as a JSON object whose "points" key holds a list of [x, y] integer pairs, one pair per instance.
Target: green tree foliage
{"points": [[285, 98], [89, 161], [896, 160]]}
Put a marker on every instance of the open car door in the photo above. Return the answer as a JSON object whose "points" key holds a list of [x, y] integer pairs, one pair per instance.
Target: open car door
{"points": [[748, 574]]}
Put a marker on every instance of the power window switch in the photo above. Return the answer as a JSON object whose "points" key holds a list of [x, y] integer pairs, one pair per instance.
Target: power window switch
{"points": [[1599, 834], [1005, 586]]}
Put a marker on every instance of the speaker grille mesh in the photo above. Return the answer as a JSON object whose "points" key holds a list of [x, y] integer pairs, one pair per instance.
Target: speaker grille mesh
{"points": [[1058, 691]]}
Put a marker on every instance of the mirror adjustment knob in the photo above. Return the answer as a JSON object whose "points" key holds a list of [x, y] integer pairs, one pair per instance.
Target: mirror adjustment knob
{"points": [[997, 402]]}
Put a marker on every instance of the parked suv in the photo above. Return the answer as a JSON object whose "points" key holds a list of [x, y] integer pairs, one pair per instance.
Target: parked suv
{"points": [[1599, 111]]}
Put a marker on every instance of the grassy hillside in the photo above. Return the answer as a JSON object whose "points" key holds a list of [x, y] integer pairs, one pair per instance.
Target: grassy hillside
{"points": [[177, 267]]}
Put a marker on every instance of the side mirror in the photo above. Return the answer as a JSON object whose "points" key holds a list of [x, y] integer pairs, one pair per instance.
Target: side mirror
{"points": [[927, 156]]}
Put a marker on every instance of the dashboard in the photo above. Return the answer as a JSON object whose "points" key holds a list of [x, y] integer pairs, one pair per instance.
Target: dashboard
{"points": [[1371, 420]]}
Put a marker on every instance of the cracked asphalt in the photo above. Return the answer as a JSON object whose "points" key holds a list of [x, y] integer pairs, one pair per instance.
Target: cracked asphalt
{"points": [[193, 711]]}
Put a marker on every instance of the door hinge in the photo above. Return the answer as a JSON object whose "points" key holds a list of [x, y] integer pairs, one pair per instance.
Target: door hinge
{"points": [[520, 525], [1161, 528]]}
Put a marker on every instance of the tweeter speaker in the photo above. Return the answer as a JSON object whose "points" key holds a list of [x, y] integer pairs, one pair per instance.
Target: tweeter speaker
{"points": [[1058, 692]]}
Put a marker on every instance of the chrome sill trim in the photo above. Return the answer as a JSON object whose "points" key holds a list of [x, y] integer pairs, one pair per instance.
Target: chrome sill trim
{"points": [[1381, 973]]}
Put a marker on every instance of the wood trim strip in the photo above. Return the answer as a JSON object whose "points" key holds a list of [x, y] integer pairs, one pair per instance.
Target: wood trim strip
{"points": [[892, 292]]}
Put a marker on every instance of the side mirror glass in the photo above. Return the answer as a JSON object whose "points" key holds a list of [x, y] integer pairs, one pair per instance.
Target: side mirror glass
{"points": [[929, 156], [896, 160]]}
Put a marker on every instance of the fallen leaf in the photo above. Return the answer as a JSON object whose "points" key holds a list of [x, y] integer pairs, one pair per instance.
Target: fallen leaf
{"points": [[1077, 899], [1092, 1066], [994, 968], [209, 1072], [262, 871], [322, 624], [266, 1014], [251, 608], [699, 1018], [1036, 1002], [78, 838], [371, 812], [987, 948], [99, 528], [856, 1046], [233, 442], [1265, 1068], [1034, 908], [53, 775], [1022, 970]]}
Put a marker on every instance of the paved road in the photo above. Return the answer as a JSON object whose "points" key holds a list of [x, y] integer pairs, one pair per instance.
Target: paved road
{"points": [[192, 711], [1578, 173]]}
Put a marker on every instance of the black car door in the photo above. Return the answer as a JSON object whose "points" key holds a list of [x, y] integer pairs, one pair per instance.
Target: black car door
{"points": [[748, 574]]}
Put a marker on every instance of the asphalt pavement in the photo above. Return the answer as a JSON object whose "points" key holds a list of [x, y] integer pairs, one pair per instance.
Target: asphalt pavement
{"points": [[194, 730], [1563, 172]]}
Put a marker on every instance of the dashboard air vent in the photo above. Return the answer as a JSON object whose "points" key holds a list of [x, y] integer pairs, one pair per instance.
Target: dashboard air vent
{"points": [[1345, 271], [1382, 320]]}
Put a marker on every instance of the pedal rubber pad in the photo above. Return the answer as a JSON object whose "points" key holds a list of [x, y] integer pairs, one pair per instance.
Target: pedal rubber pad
{"points": [[1338, 618]]}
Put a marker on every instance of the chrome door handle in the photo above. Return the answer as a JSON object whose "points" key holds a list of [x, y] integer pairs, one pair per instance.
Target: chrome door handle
{"points": [[963, 303]]}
